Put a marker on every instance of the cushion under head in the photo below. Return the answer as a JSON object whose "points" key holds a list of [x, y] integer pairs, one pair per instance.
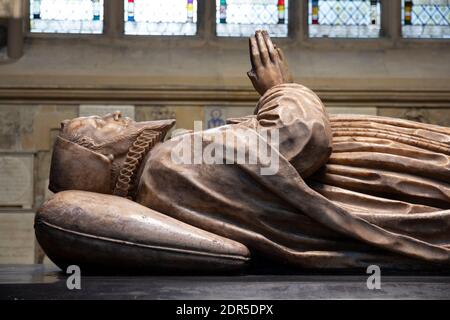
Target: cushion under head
{"points": [[108, 234]]}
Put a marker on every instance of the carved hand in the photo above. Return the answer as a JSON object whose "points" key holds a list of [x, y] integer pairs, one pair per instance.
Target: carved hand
{"points": [[269, 66]]}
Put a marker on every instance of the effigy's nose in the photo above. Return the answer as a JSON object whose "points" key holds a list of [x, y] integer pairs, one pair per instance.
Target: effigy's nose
{"points": [[116, 115], [64, 123]]}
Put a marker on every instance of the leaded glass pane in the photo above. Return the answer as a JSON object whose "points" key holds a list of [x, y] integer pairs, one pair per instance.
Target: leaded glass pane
{"points": [[66, 16], [344, 18], [426, 19], [161, 17], [241, 18]]}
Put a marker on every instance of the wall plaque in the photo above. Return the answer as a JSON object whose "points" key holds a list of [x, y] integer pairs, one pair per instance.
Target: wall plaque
{"points": [[100, 110], [16, 180], [17, 238]]}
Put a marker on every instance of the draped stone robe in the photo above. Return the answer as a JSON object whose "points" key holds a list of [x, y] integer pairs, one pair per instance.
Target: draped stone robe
{"points": [[350, 190]]}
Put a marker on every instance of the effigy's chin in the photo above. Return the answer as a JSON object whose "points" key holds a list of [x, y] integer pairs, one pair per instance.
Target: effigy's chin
{"points": [[108, 234]]}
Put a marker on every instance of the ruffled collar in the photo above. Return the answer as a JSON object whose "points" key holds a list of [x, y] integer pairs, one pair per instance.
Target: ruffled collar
{"points": [[126, 181]]}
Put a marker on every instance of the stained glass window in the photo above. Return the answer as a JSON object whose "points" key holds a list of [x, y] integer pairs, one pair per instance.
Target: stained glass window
{"points": [[344, 18], [66, 16], [161, 17], [426, 18], [240, 18]]}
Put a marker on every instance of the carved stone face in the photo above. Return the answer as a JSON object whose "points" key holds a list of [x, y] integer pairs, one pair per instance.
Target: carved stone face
{"points": [[100, 131], [99, 128], [90, 151]]}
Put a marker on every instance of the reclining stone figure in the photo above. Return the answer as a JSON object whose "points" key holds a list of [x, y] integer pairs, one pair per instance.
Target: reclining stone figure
{"points": [[349, 191]]}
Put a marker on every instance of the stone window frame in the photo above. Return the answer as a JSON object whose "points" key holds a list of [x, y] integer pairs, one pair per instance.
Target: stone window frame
{"points": [[390, 37]]}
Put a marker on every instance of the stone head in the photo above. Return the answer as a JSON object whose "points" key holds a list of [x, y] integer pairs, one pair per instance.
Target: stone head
{"points": [[90, 152]]}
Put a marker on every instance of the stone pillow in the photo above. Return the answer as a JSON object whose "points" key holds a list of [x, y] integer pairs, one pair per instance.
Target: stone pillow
{"points": [[108, 234]]}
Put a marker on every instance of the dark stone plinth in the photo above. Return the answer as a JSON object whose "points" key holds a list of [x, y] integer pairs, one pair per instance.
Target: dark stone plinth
{"points": [[41, 282]]}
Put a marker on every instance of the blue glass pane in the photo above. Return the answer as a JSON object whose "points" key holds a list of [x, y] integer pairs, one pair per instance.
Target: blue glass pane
{"points": [[66, 16], [426, 19], [241, 18], [160, 17], [344, 18]]}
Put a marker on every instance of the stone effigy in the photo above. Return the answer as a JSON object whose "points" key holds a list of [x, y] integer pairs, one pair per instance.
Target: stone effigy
{"points": [[329, 193]]}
